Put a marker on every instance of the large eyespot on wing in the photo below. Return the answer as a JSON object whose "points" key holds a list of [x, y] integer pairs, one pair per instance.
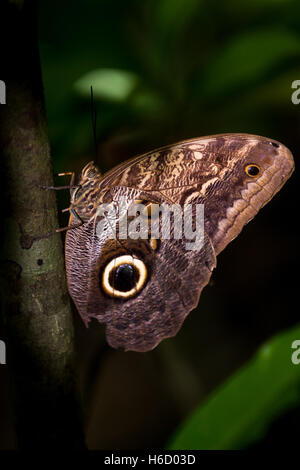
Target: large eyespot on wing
{"points": [[175, 278], [167, 285], [123, 276], [172, 290]]}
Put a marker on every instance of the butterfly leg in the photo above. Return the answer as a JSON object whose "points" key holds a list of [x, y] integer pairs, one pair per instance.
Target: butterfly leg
{"points": [[70, 227], [69, 186], [63, 229], [58, 188], [50, 234], [72, 181]]}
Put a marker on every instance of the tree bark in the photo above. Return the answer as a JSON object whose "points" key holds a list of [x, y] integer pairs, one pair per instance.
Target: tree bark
{"points": [[36, 309]]}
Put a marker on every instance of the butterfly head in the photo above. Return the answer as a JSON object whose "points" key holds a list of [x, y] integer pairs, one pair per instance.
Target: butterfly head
{"points": [[90, 172], [84, 197], [143, 289]]}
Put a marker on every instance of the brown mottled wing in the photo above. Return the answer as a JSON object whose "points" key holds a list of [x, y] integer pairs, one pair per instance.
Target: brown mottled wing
{"points": [[176, 278], [209, 170]]}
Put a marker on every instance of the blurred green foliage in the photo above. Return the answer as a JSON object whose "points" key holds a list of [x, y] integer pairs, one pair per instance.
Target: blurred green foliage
{"points": [[162, 71], [202, 67], [241, 410], [108, 84]]}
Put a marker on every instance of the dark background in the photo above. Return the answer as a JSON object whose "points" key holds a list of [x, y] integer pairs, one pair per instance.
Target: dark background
{"points": [[202, 67]]}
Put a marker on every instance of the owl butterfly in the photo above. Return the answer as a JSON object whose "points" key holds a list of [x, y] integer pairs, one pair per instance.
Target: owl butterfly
{"points": [[143, 289]]}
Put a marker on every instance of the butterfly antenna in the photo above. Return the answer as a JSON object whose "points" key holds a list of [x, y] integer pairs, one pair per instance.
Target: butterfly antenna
{"points": [[94, 121]]}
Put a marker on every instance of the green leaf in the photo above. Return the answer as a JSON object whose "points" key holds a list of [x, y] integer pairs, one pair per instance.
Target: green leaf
{"points": [[247, 58], [240, 411], [174, 15], [108, 84]]}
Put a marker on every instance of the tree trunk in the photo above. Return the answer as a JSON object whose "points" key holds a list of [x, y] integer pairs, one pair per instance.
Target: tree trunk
{"points": [[36, 309]]}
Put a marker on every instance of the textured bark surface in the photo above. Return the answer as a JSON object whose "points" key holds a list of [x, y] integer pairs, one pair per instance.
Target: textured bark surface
{"points": [[36, 309]]}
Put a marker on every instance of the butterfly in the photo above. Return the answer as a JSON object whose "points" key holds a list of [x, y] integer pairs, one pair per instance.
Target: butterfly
{"points": [[142, 289]]}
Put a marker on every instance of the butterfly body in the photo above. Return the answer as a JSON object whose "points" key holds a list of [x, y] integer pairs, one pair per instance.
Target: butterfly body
{"points": [[143, 290]]}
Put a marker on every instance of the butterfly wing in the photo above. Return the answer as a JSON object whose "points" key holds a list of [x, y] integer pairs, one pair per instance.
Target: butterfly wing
{"points": [[210, 171], [175, 279]]}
